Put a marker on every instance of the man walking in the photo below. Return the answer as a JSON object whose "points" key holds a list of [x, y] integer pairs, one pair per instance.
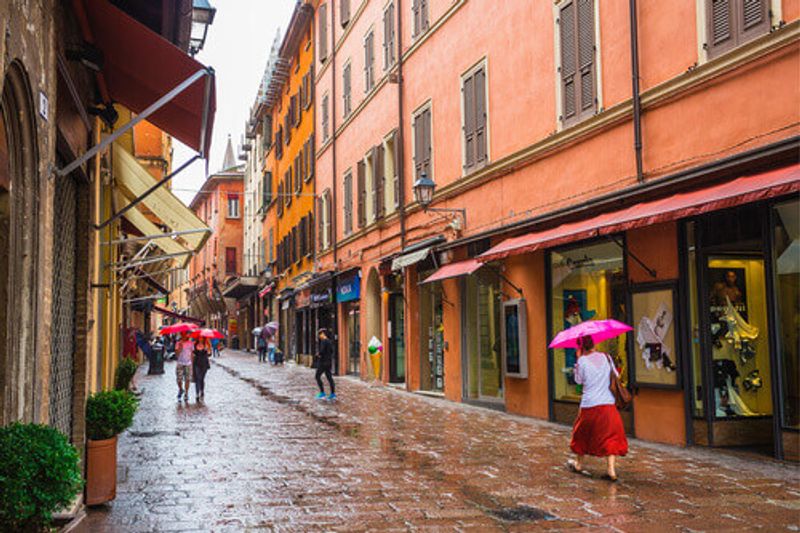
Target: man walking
{"points": [[261, 345], [324, 365], [183, 368]]}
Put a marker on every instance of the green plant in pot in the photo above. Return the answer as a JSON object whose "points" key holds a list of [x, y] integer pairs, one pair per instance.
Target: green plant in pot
{"points": [[108, 413], [124, 373], [39, 474]]}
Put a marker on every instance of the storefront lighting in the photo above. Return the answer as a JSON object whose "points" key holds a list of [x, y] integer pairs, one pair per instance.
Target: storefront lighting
{"points": [[202, 18], [423, 194]]}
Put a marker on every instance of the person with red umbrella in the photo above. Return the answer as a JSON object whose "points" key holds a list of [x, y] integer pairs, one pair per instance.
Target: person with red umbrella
{"points": [[598, 430], [183, 364]]}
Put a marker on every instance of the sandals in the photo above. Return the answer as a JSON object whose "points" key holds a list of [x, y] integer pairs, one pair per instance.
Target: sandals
{"points": [[573, 467]]}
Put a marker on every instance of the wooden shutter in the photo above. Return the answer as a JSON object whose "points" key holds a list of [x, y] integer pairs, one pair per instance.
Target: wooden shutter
{"points": [[361, 177], [386, 36], [423, 15], [754, 18], [325, 118], [469, 122], [369, 59], [586, 54], [480, 117], [311, 230], [566, 21], [721, 26], [348, 203], [415, 7], [320, 222], [396, 177], [328, 219], [322, 31], [427, 137], [346, 91], [380, 181], [418, 147], [280, 199], [289, 186], [344, 12], [311, 157], [298, 174]]}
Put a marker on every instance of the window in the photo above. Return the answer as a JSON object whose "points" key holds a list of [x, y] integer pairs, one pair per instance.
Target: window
{"points": [[388, 36], [577, 70], [344, 12], [377, 181], [361, 176], [421, 22], [287, 125], [730, 23], [266, 133], [280, 199], [267, 192], [298, 174], [326, 119], [271, 241], [230, 260], [309, 154], [369, 61], [302, 239], [279, 143], [324, 220], [346, 102], [422, 143], [348, 203], [322, 31], [294, 110], [233, 205], [391, 180], [309, 234], [473, 91], [288, 187]]}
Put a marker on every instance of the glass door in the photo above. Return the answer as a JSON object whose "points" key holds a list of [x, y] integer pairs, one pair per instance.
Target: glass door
{"points": [[483, 344], [432, 337], [353, 314], [397, 345]]}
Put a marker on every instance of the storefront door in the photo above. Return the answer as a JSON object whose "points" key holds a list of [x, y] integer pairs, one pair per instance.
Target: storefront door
{"points": [[732, 369], [432, 337], [397, 344], [353, 314], [482, 320]]}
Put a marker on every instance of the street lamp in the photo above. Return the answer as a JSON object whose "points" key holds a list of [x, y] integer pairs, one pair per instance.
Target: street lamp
{"points": [[202, 18], [423, 194]]}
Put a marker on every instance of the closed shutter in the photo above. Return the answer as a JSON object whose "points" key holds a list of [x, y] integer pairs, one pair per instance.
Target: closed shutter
{"points": [[418, 148], [386, 36], [731, 23], [396, 153], [754, 18], [568, 82], [289, 186], [325, 118], [346, 90], [423, 15], [721, 30], [280, 199], [369, 54], [301, 240], [480, 117], [469, 122], [344, 12], [427, 137], [348, 204], [380, 181], [586, 53], [328, 219], [320, 222], [322, 31], [415, 7], [311, 228], [311, 157], [361, 177]]}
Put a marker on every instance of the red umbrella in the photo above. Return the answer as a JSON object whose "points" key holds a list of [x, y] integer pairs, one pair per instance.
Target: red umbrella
{"points": [[180, 327], [207, 333]]}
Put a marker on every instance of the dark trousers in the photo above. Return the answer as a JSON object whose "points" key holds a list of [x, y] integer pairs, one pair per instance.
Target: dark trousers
{"points": [[199, 381], [262, 354], [326, 369]]}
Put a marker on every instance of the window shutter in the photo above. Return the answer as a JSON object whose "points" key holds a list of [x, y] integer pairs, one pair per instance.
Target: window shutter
{"points": [[386, 37], [280, 199], [328, 220], [380, 181], [312, 156], [586, 53], [423, 15], [754, 17], [325, 118], [427, 137], [322, 30], [396, 177], [469, 122], [567, 32], [348, 204], [344, 12], [320, 222], [415, 7], [418, 148], [361, 176], [311, 229], [480, 116], [721, 25]]}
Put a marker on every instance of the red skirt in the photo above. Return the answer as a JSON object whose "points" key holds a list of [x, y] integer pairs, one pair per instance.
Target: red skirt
{"points": [[598, 431]]}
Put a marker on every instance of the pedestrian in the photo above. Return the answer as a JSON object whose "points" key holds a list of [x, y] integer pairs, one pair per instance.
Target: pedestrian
{"points": [[261, 346], [271, 350], [324, 365], [200, 366], [598, 430], [215, 347], [183, 366]]}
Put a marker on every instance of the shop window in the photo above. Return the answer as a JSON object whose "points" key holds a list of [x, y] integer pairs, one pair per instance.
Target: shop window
{"points": [[587, 282], [484, 304], [431, 314], [786, 253]]}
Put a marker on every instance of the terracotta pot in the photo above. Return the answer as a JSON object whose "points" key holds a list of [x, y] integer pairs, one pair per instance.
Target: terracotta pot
{"points": [[101, 471]]}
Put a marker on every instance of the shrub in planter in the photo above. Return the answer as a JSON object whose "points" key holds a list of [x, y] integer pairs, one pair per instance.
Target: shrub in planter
{"points": [[124, 374], [39, 474], [109, 413]]}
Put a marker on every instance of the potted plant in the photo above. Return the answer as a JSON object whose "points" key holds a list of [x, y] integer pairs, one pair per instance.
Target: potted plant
{"points": [[124, 373], [108, 414], [39, 474]]}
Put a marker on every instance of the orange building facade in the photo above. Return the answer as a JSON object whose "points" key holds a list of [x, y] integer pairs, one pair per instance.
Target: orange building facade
{"points": [[538, 143]]}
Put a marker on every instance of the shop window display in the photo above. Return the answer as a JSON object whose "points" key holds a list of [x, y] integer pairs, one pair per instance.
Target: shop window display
{"points": [[483, 319], [432, 336], [587, 282]]}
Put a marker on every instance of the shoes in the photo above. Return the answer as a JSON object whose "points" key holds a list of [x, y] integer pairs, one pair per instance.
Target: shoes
{"points": [[331, 397], [180, 393], [320, 396]]}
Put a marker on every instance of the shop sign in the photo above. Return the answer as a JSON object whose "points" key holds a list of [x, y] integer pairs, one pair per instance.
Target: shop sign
{"points": [[285, 304], [302, 298], [349, 290], [322, 298]]}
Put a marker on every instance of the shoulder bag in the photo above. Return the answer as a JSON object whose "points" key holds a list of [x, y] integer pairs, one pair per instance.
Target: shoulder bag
{"points": [[622, 396]]}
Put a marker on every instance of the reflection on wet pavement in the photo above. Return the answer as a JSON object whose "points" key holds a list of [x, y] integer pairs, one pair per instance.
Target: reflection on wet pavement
{"points": [[262, 454]]}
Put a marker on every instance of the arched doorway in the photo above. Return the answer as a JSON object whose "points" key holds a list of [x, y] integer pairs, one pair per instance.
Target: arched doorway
{"points": [[19, 244], [373, 317]]}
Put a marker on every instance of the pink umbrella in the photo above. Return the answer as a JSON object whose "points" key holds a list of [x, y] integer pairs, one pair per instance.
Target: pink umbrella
{"points": [[180, 327], [208, 333], [598, 330]]}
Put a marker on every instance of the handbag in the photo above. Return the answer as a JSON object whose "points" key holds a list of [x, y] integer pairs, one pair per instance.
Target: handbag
{"points": [[622, 396]]}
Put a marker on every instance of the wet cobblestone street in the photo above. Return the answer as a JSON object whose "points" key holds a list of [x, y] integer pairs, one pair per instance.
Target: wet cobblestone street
{"points": [[262, 454]]}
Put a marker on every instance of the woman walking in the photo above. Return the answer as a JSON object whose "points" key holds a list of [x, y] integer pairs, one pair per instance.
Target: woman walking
{"points": [[183, 366], [200, 366], [598, 430], [325, 365]]}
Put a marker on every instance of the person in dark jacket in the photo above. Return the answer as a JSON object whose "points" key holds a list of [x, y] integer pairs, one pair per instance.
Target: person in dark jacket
{"points": [[324, 365], [200, 366]]}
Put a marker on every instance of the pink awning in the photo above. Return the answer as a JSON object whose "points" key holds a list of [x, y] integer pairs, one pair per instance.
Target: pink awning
{"points": [[682, 205], [462, 268], [266, 290]]}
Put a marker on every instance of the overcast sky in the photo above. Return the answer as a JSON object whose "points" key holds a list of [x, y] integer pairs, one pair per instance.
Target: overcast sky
{"points": [[237, 47]]}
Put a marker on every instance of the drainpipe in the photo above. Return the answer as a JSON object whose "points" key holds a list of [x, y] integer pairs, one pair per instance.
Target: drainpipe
{"points": [[637, 103], [399, 149], [332, 111]]}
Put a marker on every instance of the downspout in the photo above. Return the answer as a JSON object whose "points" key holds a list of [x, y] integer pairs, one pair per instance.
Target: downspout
{"points": [[332, 111], [637, 103], [399, 149]]}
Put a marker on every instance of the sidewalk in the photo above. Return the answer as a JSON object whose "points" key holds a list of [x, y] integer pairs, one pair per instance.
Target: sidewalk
{"points": [[262, 454]]}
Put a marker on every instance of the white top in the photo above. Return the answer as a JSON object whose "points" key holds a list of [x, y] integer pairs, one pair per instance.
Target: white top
{"points": [[593, 372]]}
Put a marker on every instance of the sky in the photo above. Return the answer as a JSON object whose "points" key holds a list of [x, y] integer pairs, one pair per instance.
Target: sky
{"points": [[237, 46]]}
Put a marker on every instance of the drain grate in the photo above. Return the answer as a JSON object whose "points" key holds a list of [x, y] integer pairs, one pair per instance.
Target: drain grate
{"points": [[521, 513], [145, 434]]}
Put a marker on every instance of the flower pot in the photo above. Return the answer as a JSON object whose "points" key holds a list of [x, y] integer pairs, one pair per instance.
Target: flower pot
{"points": [[101, 471]]}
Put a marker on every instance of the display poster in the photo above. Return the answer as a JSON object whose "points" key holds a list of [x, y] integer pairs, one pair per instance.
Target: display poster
{"points": [[728, 284], [656, 350], [515, 353]]}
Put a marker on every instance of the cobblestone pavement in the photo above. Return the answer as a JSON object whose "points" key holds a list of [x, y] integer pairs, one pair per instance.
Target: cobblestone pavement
{"points": [[262, 454]]}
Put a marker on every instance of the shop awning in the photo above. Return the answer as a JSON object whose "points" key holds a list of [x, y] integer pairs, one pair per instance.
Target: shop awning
{"points": [[184, 318], [133, 180], [453, 270], [147, 228], [682, 205], [240, 287], [412, 258], [266, 290], [139, 67]]}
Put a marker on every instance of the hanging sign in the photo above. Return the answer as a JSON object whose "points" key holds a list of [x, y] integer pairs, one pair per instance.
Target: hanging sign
{"points": [[349, 289]]}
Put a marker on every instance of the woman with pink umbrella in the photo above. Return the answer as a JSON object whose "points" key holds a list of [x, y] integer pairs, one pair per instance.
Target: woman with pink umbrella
{"points": [[598, 430]]}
